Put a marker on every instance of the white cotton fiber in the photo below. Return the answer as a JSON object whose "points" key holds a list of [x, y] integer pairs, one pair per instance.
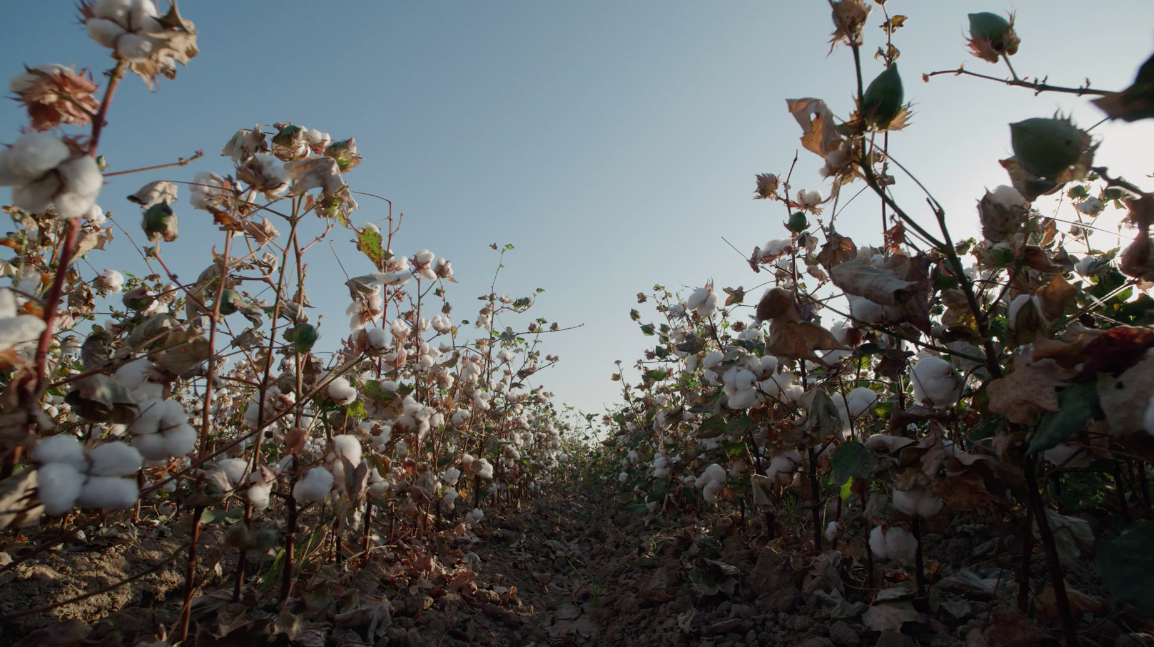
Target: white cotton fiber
{"points": [[341, 391], [233, 468], [114, 459], [180, 440], [109, 493], [349, 447], [451, 476], [61, 448], [935, 380], [153, 447], [59, 485], [378, 338], [134, 373], [709, 492], [258, 495], [315, 486], [30, 157]]}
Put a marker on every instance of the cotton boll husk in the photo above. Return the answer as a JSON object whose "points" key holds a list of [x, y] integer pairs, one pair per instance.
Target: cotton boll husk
{"points": [[59, 486], [315, 486], [114, 459], [233, 469], [348, 447], [258, 494], [180, 440], [61, 448]]}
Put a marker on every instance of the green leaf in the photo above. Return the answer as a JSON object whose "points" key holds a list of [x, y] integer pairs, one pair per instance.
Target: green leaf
{"points": [[846, 490], [221, 516], [373, 391], [1075, 405], [639, 509], [852, 459], [370, 242], [1127, 566], [711, 427], [739, 425]]}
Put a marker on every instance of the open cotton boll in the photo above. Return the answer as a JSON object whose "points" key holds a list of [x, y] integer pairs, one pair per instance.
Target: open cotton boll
{"points": [[153, 447], [451, 476], [30, 157], [233, 468], [348, 447], [922, 503], [936, 381], [114, 459], [709, 492], [104, 32], [258, 494], [742, 399], [623, 477], [108, 493], [81, 186], [341, 391], [448, 498], [832, 530], [475, 515], [61, 448], [713, 473], [483, 468], [315, 486], [377, 338], [782, 467], [180, 440], [136, 372], [58, 485]]}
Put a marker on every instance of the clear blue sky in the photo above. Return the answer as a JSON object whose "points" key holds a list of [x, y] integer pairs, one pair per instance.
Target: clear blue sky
{"points": [[613, 143]]}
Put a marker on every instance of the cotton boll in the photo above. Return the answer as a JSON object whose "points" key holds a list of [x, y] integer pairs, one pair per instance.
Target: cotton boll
{"points": [[483, 468], [30, 157], [180, 440], [709, 492], [348, 447], [936, 380], [1007, 196], [59, 486], [623, 477], [878, 543], [133, 47], [1015, 308], [448, 498], [114, 459], [258, 494], [906, 502], [378, 338], [315, 486], [61, 448], [82, 182], [832, 530], [900, 545], [342, 392], [451, 476], [104, 32], [108, 493], [37, 196], [134, 373], [233, 468]]}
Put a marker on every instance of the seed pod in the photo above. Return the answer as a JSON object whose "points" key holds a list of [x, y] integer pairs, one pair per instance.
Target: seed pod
{"points": [[160, 223], [302, 336], [1047, 147], [992, 36], [883, 98]]}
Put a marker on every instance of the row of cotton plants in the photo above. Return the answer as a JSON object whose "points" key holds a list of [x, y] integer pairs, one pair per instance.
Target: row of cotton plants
{"points": [[209, 398], [872, 393]]}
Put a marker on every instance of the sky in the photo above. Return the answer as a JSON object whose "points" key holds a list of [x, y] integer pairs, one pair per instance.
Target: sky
{"points": [[614, 144]]}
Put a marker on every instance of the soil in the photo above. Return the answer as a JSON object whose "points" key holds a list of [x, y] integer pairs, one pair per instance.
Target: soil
{"points": [[574, 570]]}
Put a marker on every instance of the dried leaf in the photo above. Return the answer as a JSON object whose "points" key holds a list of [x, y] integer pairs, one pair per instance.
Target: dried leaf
{"points": [[1028, 391], [819, 133]]}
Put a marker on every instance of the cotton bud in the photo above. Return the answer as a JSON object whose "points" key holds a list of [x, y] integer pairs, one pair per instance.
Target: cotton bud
{"points": [[1047, 147], [992, 36], [160, 223], [883, 98]]}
